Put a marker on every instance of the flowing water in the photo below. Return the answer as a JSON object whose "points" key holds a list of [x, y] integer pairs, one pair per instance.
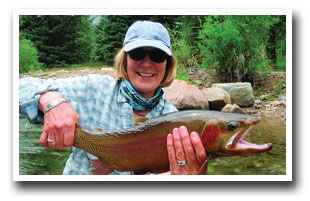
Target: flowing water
{"points": [[34, 159]]}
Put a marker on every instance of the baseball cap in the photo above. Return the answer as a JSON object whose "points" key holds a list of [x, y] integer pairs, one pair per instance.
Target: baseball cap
{"points": [[147, 34]]}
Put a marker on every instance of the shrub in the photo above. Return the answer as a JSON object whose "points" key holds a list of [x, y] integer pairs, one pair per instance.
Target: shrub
{"points": [[28, 57], [235, 46]]}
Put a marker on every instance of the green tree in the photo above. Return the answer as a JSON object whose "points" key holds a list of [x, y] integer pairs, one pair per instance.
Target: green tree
{"points": [[109, 37], [276, 46], [185, 40], [60, 39], [235, 45]]}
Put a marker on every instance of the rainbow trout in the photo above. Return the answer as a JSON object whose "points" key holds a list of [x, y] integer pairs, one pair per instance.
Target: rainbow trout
{"points": [[144, 147]]}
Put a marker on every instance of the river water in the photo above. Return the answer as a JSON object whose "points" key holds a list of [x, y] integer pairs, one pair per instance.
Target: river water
{"points": [[34, 159]]}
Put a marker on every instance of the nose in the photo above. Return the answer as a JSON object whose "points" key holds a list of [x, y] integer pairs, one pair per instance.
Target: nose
{"points": [[147, 60]]}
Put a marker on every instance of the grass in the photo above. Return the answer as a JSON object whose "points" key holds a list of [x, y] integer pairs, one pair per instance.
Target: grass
{"points": [[280, 88], [182, 75]]}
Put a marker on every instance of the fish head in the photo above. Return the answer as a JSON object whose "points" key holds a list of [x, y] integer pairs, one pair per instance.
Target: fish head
{"points": [[224, 136]]}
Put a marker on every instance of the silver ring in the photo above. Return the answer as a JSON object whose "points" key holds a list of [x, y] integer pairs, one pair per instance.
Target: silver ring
{"points": [[181, 162], [49, 140]]}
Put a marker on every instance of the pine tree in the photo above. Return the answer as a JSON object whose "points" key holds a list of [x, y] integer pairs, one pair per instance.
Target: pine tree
{"points": [[60, 39]]}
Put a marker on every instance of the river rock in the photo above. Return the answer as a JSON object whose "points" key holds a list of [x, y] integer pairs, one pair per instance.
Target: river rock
{"points": [[233, 109], [241, 93], [217, 98], [185, 96]]}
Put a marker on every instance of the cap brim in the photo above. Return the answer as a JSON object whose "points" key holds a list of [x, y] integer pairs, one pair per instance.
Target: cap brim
{"points": [[146, 43]]}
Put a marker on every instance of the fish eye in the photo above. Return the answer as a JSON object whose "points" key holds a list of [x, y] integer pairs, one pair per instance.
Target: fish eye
{"points": [[232, 125]]}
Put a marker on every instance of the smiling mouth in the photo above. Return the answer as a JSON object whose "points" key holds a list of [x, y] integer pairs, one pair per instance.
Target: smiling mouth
{"points": [[145, 74]]}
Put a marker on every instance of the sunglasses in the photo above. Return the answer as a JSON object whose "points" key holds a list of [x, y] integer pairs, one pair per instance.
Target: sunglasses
{"points": [[156, 55]]}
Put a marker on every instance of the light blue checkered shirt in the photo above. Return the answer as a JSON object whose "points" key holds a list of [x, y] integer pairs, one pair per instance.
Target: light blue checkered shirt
{"points": [[96, 99]]}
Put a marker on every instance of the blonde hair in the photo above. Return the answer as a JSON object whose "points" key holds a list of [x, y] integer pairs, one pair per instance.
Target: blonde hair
{"points": [[121, 64]]}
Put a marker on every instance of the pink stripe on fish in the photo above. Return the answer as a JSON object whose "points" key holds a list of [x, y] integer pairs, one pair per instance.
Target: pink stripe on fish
{"points": [[137, 146]]}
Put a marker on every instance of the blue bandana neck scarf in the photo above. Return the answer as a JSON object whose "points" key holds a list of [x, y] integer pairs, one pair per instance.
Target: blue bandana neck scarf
{"points": [[136, 100]]}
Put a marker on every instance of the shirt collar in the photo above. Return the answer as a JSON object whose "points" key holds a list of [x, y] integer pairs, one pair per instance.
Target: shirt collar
{"points": [[120, 97]]}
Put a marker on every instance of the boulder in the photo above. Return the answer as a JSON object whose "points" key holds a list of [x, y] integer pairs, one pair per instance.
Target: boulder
{"points": [[241, 93], [233, 109], [185, 96], [217, 98]]}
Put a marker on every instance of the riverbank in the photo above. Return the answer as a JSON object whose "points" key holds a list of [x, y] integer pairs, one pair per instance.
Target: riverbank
{"points": [[269, 89]]}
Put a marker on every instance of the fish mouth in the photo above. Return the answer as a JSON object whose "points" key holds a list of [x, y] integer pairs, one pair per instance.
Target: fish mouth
{"points": [[236, 145]]}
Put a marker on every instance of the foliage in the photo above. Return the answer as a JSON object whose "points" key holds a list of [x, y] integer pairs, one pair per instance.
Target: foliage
{"points": [[28, 57], [276, 46], [234, 45], [182, 75], [184, 40], [109, 34], [60, 39]]}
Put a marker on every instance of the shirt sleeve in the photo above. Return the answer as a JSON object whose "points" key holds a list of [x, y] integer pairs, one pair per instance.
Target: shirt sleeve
{"points": [[29, 93], [72, 89]]}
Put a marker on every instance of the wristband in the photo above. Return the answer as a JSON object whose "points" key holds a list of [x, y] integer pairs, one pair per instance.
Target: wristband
{"points": [[53, 104]]}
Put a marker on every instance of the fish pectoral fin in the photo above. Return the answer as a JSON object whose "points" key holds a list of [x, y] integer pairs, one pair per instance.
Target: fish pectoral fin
{"points": [[97, 167], [140, 120]]}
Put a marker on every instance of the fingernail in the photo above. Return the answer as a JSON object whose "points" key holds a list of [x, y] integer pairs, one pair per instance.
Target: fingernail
{"points": [[175, 131], [183, 128], [194, 135]]}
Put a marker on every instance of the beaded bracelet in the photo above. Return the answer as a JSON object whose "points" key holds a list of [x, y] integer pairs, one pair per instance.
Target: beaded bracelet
{"points": [[53, 104]]}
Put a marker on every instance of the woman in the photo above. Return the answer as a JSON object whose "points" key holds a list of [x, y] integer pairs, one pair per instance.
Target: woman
{"points": [[143, 66]]}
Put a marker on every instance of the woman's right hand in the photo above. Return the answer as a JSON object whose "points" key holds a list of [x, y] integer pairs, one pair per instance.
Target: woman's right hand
{"points": [[59, 122]]}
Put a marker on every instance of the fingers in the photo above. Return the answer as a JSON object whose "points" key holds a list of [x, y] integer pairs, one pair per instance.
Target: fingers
{"points": [[60, 138], [43, 138], [51, 139], [199, 149], [59, 127], [184, 146], [187, 144], [69, 136], [171, 152], [180, 155]]}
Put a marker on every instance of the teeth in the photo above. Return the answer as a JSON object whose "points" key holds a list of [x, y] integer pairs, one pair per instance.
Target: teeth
{"points": [[146, 75]]}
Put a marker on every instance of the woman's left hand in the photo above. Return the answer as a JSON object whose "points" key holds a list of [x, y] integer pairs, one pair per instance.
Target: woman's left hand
{"points": [[188, 148]]}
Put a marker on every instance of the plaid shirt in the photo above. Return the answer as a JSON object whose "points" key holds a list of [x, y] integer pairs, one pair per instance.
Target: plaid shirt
{"points": [[96, 99]]}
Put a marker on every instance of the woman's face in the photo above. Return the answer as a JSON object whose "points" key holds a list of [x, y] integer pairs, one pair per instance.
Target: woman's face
{"points": [[145, 75]]}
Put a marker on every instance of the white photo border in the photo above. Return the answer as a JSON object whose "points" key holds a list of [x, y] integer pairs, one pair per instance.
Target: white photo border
{"points": [[148, 11]]}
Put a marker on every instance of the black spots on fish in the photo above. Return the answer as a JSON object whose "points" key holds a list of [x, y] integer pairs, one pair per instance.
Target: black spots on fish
{"points": [[233, 125]]}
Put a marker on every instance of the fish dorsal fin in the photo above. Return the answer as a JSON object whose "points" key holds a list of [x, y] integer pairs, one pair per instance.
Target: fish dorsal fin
{"points": [[140, 120]]}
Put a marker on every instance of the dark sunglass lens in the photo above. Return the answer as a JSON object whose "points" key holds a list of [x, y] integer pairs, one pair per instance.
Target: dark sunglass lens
{"points": [[158, 56], [137, 54]]}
